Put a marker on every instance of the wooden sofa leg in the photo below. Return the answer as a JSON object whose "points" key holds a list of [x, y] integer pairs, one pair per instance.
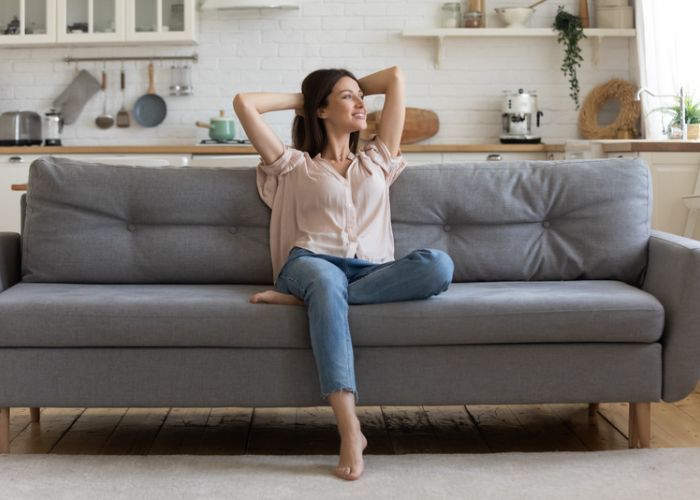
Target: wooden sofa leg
{"points": [[593, 409], [640, 425], [4, 430], [34, 412]]}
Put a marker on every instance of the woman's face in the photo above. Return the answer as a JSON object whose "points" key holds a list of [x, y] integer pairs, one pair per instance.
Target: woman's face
{"points": [[345, 110]]}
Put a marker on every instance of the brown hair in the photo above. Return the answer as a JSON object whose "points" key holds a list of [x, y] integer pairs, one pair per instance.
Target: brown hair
{"points": [[308, 131]]}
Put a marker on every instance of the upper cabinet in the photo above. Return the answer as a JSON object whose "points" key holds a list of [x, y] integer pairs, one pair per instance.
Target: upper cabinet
{"points": [[90, 21], [75, 22], [24, 22], [160, 20]]}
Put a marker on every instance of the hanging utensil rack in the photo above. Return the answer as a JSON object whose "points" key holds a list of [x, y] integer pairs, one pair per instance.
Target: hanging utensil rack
{"points": [[194, 57]]}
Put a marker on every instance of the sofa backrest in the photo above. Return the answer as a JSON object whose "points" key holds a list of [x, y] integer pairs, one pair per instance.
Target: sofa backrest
{"points": [[511, 221]]}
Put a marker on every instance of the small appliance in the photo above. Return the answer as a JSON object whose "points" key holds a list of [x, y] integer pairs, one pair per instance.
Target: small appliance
{"points": [[20, 128], [53, 127], [518, 110]]}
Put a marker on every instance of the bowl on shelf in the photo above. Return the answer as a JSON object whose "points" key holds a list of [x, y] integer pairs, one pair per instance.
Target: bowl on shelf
{"points": [[514, 17]]}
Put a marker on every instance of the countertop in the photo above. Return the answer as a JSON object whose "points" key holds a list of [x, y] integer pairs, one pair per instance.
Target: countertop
{"points": [[234, 150], [644, 146], [608, 146]]}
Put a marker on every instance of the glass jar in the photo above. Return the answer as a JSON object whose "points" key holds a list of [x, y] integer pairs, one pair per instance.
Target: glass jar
{"points": [[475, 6], [451, 15], [472, 19]]}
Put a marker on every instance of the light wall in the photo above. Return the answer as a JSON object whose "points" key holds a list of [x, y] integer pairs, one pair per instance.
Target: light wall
{"points": [[259, 50]]}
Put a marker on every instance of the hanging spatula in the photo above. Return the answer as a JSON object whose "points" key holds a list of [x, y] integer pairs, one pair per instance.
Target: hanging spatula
{"points": [[123, 115]]}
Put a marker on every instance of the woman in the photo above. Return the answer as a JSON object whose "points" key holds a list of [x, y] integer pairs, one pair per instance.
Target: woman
{"points": [[330, 229]]}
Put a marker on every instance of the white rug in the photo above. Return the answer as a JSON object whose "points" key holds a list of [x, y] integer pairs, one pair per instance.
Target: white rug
{"points": [[625, 474]]}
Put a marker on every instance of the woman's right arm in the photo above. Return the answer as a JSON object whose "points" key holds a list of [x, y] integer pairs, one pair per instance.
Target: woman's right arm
{"points": [[249, 108]]}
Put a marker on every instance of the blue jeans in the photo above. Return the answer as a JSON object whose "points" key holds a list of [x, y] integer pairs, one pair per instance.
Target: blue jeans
{"points": [[328, 284]]}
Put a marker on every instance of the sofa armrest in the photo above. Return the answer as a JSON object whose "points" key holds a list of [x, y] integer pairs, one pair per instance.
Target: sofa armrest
{"points": [[9, 260], [673, 277]]}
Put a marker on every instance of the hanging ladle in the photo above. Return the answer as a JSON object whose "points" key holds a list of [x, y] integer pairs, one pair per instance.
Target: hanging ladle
{"points": [[105, 120]]}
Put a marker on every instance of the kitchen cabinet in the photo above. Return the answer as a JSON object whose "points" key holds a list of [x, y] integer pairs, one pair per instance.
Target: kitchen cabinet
{"points": [[160, 20], [81, 21], [14, 169], [673, 175], [229, 161], [495, 156], [94, 22], [27, 22]]}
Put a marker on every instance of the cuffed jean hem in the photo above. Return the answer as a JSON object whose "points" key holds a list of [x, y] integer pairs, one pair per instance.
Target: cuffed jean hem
{"points": [[325, 395]]}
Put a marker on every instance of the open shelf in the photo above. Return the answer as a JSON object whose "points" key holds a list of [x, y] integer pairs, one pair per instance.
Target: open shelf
{"points": [[595, 35]]}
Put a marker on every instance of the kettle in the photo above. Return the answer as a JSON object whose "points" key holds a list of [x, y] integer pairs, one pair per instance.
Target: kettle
{"points": [[221, 128], [53, 127]]}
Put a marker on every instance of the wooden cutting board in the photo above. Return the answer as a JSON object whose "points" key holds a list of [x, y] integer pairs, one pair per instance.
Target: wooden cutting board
{"points": [[420, 124]]}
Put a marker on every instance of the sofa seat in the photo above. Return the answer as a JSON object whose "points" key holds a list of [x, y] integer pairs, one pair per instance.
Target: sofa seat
{"points": [[90, 315]]}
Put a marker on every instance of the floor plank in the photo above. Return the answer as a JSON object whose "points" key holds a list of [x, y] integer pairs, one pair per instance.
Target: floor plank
{"points": [[690, 405], [594, 432], [374, 429], [42, 437], [136, 432], [670, 427], [273, 432], [312, 430], [90, 431], [500, 428], [454, 430], [181, 432], [409, 429], [19, 420], [226, 431]]}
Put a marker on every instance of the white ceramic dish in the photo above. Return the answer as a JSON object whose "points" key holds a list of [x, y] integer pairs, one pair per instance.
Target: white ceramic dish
{"points": [[514, 17]]}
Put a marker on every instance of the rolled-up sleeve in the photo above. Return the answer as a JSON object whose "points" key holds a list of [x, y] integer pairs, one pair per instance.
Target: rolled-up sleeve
{"points": [[380, 154], [267, 175]]}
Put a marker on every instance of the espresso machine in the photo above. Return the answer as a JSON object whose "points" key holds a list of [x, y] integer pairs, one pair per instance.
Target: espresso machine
{"points": [[518, 110]]}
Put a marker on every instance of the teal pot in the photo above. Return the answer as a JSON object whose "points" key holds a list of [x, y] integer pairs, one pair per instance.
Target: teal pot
{"points": [[221, 128]]}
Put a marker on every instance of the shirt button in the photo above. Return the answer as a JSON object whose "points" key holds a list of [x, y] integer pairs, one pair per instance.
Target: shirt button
{"points": [[131, 228], [232, 230], [545, 224], [447, 228]]}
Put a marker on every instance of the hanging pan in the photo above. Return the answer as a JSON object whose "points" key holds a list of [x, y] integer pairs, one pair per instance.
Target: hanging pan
{"points": [[150, 109]]}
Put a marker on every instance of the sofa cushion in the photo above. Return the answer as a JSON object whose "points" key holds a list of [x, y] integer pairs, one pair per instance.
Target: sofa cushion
{"points": [[511, 221], [78, 315], [529, 220]]}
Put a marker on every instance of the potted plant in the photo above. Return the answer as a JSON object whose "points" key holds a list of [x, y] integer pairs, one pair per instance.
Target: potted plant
{"points": [[692, 117], [570, 32]]}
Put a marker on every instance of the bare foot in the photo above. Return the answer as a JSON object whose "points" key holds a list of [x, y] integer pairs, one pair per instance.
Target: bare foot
{"points": [[351, 464], [275, 297]]}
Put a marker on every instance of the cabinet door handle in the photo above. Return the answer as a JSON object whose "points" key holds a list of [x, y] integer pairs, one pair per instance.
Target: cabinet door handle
{"points": [[15, 159], [494, 157]]}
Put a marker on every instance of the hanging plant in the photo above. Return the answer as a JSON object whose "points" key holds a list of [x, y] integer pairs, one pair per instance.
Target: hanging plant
{"points": [[570, 33]]}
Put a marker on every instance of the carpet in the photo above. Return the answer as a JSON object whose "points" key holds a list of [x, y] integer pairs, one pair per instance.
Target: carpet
{"points": [[667, 473]]}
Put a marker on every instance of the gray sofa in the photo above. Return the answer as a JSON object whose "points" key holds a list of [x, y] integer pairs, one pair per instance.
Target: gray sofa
{"points": [[129, 287]]}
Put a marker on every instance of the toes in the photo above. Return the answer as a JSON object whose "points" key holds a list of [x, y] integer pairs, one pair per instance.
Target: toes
{"points": [[342, 472]]}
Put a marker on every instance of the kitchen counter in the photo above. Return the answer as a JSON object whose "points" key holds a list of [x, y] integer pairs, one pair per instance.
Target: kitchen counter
{"points": [[641, 146], [234, 150]]}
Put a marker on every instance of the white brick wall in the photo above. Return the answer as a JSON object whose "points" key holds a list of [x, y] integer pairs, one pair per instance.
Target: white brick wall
{"points": [[273, 51]]}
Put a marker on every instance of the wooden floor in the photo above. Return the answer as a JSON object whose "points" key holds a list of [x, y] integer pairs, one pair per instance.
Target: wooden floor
{"points": [[389, 429]]}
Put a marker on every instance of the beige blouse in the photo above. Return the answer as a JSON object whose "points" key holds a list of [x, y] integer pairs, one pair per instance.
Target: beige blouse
{"points": [[316, 208]]}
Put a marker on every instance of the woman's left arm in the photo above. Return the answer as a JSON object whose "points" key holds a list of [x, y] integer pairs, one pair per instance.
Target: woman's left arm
{"points": [[389, 82]]}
